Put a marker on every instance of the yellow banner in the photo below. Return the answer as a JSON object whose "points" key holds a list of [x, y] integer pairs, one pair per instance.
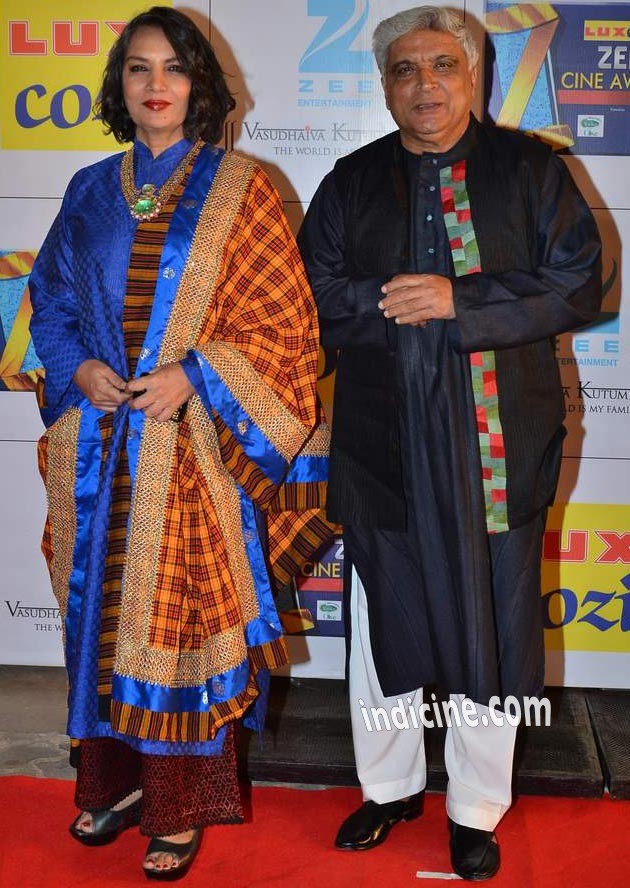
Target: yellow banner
{"points": [[51, 65], [586, 578], [519, 17], [607, 30]]}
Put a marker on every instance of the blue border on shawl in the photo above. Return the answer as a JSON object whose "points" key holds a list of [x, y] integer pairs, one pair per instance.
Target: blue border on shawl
{"points": [[86, 483], [306, 468], [216, 397], [199, 698], [266, 627]]}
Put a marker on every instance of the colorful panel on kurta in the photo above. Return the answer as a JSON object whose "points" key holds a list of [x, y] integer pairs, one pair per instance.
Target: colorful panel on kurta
{"points": [[466, 260]]}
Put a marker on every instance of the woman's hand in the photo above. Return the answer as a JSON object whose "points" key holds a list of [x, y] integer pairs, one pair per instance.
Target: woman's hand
{"points": [[161, 392], [101, 385]]}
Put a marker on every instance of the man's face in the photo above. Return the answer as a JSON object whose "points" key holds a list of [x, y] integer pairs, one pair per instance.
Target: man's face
{"points": [[429, 89]]}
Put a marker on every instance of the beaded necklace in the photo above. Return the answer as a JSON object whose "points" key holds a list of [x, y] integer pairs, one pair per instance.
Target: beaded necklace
{"points": [[145, 203]]}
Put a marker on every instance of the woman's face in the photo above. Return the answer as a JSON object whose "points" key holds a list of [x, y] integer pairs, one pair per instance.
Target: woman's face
{"points": [[155, 89]]}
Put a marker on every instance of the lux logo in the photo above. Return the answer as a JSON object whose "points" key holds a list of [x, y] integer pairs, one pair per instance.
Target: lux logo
{"points": [[606, 30], [87, 42], [617, 546]]}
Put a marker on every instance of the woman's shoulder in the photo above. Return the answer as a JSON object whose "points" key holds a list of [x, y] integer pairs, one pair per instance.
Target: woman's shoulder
{"points": [[101, 171], [249, 173], [245, 166]]}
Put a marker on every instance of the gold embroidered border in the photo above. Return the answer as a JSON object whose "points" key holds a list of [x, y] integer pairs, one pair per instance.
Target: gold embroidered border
{"points": [[183, 669], [61, 474], [319, 442], [265, 409], [134, 656]]}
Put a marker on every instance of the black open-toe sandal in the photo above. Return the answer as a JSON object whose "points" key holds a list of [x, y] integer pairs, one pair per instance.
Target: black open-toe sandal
{"points": [[185, 853], [107, 824]]}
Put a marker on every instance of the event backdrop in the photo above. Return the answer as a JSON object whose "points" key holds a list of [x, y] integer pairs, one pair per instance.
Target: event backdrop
{"points": [[308, 92]]}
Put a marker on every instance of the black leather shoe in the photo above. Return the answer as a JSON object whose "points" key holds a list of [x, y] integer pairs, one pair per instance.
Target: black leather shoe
{"points": [[368, 826], [107, 824], [474, 852], [183, 853]]}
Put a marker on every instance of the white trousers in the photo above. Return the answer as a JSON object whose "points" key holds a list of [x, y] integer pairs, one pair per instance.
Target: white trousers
{"points": [[391, 762]]}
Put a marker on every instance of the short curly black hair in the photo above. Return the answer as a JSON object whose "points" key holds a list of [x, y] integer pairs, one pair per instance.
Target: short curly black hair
{"points": [[210, 100]]}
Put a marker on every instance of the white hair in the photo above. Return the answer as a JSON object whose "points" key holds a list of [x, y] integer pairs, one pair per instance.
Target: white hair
{"points": [[422, 18]]}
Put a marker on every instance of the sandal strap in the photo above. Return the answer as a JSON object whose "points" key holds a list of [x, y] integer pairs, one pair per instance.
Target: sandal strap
{"points": [[107, 820], [181, 850]]}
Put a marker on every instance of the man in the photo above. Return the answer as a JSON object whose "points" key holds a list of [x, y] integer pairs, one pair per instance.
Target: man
{"points": [[444, 258]]}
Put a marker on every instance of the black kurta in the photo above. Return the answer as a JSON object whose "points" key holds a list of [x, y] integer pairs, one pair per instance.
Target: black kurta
{"points": [[447, 601]]}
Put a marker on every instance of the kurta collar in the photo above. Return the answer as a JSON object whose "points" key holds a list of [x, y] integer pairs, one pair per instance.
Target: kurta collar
{"points": [[460, 150], [157, 170]]}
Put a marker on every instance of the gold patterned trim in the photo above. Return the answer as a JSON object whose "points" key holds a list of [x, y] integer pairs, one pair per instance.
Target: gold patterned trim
{"points": [[186, 727], [185, 669], [319, 442], [265, 409], [61, 474]]}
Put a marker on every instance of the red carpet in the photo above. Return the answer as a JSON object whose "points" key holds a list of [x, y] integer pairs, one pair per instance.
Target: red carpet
{"points": [[287, 841]]}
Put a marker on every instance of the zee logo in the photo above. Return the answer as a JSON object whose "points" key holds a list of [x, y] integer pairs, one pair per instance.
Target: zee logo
{"points": [[330, 50]]}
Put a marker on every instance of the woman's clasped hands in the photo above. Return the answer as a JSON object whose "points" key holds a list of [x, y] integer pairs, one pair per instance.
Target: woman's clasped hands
{"points": [[159, 394]]}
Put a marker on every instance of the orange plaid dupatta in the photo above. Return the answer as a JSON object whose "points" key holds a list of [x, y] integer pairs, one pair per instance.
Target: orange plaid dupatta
{"points": [[296, 522]]}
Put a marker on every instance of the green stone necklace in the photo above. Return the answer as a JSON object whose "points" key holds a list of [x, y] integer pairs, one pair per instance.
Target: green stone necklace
{"points": [[146, 203]]}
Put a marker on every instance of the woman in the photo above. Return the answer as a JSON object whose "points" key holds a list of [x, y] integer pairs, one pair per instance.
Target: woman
{"points": [[179, 338]]}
